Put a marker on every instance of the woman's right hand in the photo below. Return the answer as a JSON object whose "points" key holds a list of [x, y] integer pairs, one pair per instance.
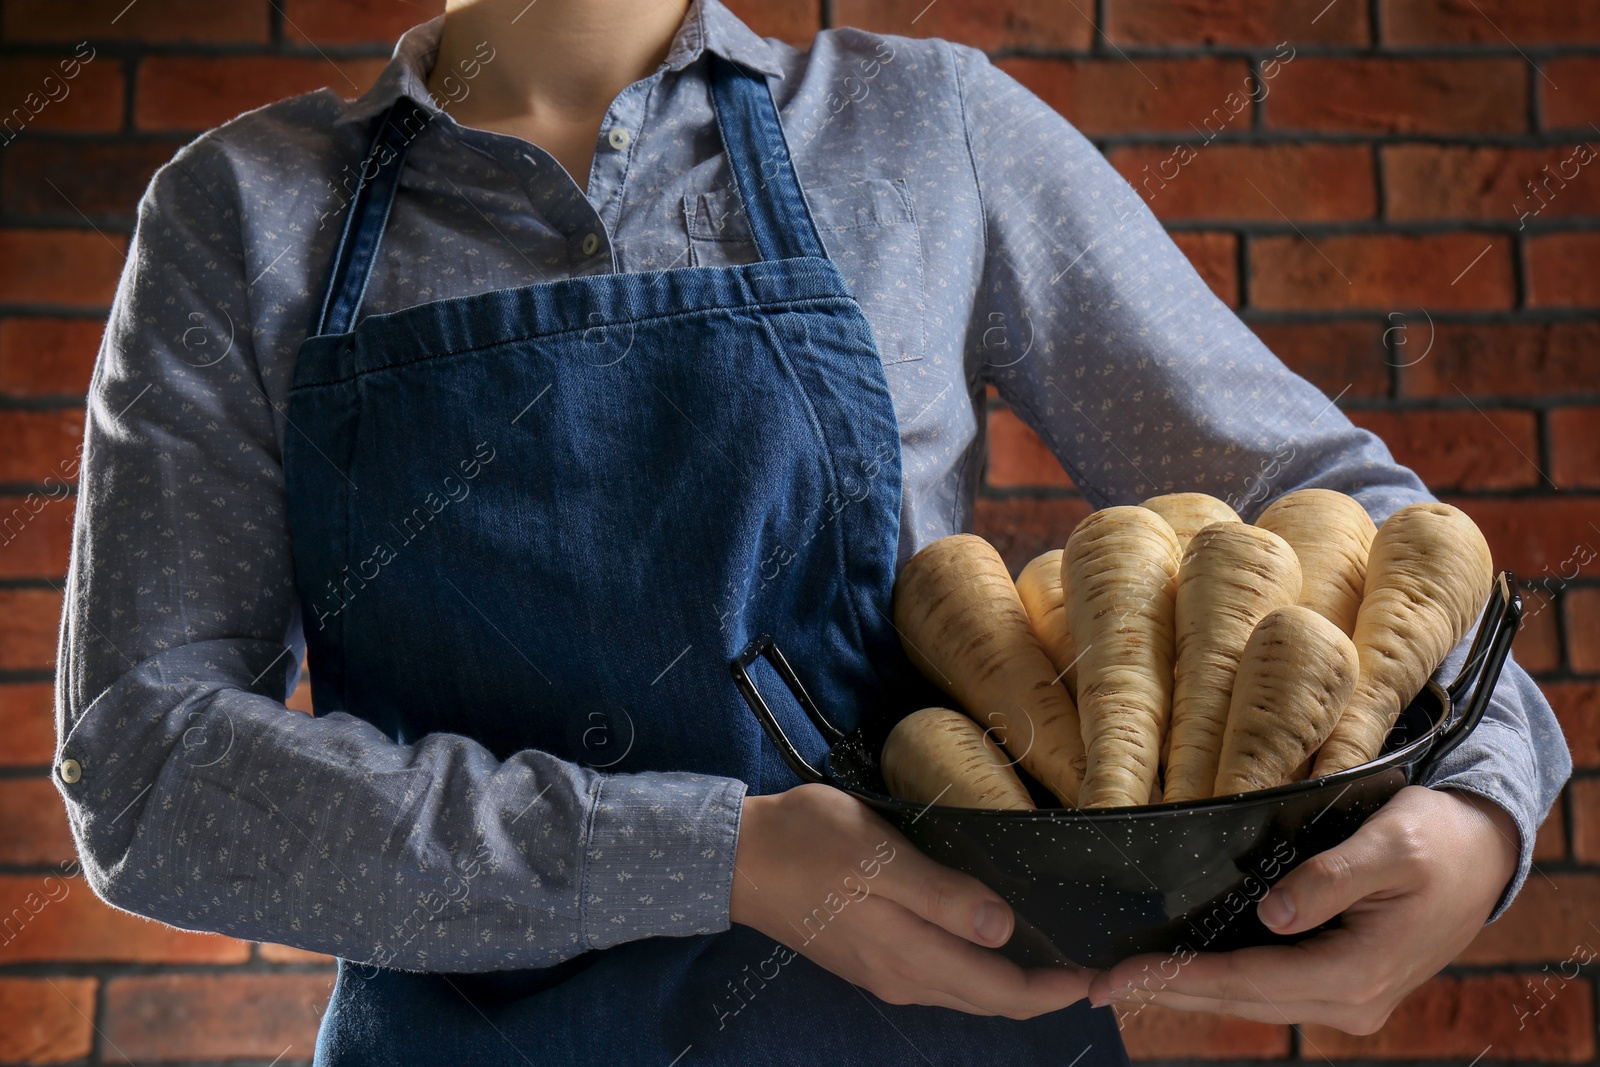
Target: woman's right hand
{"points": [[820, 872]]}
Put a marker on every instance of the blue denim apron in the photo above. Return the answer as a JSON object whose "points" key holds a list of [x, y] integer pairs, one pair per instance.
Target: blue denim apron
{"points": [[661, 466]]}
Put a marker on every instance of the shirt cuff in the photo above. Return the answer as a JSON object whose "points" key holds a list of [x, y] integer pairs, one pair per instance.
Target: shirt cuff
{"points": [[659, 853]]}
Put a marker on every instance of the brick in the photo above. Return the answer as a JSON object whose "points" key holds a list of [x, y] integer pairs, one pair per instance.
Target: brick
{"points": [[1541, 923], [1551, 841], [1538, 643], [101, 179], [1540, 604], [1573, 101], [116, 20], [1550, 539], [1018, 458], [1235, 22], [189, 93], [1102, 96], [1252, 183], [354, 21], [27, 724], [76, 268], [1561, 270], [1575, 447], [284, 954], [991, 26], [1501, 359], [44, 357], [36, 534], [1451, 1018], [1384, 272], [1448, 182], [194, 1016], [1152, 1032], [29, 620], [35, 822], [1216, 257], [1585, 793], [77, 91], [1582, 608], [1342, 356], [796, 22], [48, 1020], [1021, 528], [1494, 448], [1491, 22], [1441, 95], [1577, 707], [47, 918], [39, 444]]}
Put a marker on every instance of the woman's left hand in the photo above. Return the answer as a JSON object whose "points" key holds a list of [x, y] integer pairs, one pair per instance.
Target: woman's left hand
{"points": [[1415, 884]]}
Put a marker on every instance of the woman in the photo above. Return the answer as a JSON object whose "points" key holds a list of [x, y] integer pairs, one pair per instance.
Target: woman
{"points": [[523, 391]]}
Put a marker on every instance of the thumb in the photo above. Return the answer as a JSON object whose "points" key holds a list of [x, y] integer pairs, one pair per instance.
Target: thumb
{"points": [[949, 899], [1329, 882]]}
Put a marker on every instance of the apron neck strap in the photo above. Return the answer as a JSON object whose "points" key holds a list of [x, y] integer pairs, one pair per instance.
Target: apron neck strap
{"points": [[763, 170], [752, 139], [368, 213]]}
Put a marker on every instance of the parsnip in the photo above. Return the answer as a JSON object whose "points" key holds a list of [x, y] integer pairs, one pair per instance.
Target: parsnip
{"points": [[1332, 535], [939, 756], [1189, 513], [1297, 672], [963, 625], [1231, 576], [1121, 563], [1427, 578], [1039, 587]]}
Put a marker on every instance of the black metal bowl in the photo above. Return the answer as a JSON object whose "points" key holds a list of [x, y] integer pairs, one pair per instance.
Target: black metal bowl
{"points": [[1093, 886]]}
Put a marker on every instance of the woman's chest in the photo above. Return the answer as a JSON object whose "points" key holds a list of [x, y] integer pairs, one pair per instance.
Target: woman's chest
{"points": [[452, 235]]}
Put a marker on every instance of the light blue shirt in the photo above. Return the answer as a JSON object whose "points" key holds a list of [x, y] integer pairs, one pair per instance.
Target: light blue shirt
{"points": [[988, 243]]}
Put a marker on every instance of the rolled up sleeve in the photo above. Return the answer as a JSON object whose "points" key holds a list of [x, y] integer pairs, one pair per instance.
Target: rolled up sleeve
{"points": [[1142, 382], [202, 800]]}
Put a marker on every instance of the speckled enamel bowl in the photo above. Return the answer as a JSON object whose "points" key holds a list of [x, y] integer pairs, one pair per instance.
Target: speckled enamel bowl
{"points": [[1094, 886]]}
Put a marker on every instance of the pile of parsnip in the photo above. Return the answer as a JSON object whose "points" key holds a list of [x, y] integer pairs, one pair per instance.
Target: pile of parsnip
{"points": [[1172, 652]]}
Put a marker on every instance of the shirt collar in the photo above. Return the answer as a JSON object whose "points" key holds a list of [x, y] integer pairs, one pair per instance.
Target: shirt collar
{"points": [[707, 25]]}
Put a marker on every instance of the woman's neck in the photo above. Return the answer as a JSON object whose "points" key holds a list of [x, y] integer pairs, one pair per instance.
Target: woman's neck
{"points": [[558, 63]]}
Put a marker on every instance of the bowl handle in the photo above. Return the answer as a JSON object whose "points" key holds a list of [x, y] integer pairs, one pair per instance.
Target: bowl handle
{"points": [[763, 645], [1485, 659]]}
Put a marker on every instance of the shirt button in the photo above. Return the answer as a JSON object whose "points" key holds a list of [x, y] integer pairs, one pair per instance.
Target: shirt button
{"points": [[70, 771], [619, 138], [591, 241]]}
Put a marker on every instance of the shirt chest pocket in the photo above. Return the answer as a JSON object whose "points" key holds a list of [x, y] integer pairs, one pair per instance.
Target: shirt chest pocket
{"points": [[869, 228]]}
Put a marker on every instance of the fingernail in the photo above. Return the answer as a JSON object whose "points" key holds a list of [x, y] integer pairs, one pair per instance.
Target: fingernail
{"points": [[1110, 996], [992, 925], [1276, 909]]}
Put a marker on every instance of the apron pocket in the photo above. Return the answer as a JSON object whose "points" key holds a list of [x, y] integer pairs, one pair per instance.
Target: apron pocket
{"points": [[870, 230]]}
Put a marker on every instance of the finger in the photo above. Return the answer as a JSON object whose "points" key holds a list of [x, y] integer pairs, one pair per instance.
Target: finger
{"points": [[878, 960], [981, 977], [1379, 858], [1318, 968], [948, 899], [937, 998], [1284, 1012]]}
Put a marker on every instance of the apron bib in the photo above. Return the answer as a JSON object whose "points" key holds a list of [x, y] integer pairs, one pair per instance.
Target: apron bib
{"points": [[550, 517]]}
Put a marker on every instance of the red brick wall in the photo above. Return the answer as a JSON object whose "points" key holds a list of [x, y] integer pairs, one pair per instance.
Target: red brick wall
{"points": [[1360, 217]]}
